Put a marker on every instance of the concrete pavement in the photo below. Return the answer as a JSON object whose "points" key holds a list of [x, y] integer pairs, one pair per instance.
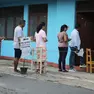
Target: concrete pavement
{"points": [[21, 85], [75, 81]]}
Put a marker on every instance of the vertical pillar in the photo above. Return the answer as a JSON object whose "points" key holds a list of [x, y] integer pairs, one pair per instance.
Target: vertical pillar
{"points": [[26, 18], [52, 32]]}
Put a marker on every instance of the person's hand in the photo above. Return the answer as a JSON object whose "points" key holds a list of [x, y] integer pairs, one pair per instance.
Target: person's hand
{"points": [[1, 38], [32, 38], [46, 40], [69, 39], [77, 51]]}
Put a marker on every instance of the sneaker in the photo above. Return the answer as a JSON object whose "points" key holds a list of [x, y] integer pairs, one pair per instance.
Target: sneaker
{"points": [[72, 70], [60, 70], [64, 71], [82, 66]]}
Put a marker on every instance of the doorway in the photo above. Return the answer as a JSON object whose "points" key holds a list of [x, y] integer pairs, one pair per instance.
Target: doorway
{"points": [[37, 14], [85, 17], [87, 30]]}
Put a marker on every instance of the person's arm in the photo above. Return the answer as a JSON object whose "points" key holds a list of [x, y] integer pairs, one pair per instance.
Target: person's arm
{"points": [[77, 42], [32, 38], [65, 37], [69, 39], [1, 38], [19, 34], [44, 37]]}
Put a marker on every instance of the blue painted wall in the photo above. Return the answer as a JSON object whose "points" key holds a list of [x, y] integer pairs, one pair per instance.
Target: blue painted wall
{"points": [[62, 12], [7, 46], [59, 12], [66, 15], [26, 17], [52, 32]]}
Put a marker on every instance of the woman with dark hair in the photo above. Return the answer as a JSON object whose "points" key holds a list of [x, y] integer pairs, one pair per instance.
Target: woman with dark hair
{"points": [[41, 39], [40, 36], [62, 47]]}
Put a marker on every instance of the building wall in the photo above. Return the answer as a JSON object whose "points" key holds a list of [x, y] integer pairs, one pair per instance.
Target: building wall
{"points": [[62, 12], [66, 15], [59, 12]]}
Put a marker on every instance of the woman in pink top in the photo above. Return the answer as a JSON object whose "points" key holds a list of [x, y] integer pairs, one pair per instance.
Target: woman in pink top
{"points": [[62, 47], [41, 39]]}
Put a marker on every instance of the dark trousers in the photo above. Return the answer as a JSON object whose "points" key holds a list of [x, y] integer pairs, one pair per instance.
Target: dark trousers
{"points": [[72, 58], [62, 57], [81, 60]]}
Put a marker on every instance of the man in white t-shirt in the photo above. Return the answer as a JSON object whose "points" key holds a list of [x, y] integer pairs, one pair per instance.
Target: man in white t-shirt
{"points": [[18, 33], [74, 46]]}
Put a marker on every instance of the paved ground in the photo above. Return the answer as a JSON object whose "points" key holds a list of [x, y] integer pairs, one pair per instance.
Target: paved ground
{"points": [[53, 82], [20, 85]]}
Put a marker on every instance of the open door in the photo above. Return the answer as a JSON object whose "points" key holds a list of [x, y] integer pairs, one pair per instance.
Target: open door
{"points": [[85, 17], [86, 20]]}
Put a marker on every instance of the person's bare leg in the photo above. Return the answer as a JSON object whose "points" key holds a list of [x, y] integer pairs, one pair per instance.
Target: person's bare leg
{"points": [[43, 67], [37, 67], [16, 61]]}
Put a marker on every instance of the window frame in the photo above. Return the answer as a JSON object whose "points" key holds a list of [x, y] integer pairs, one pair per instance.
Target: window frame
{"points": [[20, 15], [38, 14], [38, 19]]}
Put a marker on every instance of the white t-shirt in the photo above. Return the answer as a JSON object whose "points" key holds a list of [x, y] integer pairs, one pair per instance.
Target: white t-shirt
{"points": [[75, 39], [18, 32], [39, 38]]}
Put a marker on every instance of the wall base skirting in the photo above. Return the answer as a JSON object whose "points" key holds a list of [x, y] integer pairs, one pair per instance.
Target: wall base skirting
{"points": [[28, 61], [48, 63]]}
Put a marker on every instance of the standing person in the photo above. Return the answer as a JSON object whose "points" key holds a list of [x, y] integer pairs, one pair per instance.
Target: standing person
{"points": [[18, 33], [74, 46], [62, 47], [40, 36], [41, 39]]}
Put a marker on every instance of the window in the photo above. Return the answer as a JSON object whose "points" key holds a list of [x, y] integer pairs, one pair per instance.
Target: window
{"points": [[17, 20], [10, 27], [9, 19], [38, 14], [2, 26], [33, 24]]}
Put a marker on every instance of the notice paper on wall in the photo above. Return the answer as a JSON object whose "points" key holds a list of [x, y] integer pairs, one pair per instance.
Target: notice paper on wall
{"points": [[25, 46]]}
